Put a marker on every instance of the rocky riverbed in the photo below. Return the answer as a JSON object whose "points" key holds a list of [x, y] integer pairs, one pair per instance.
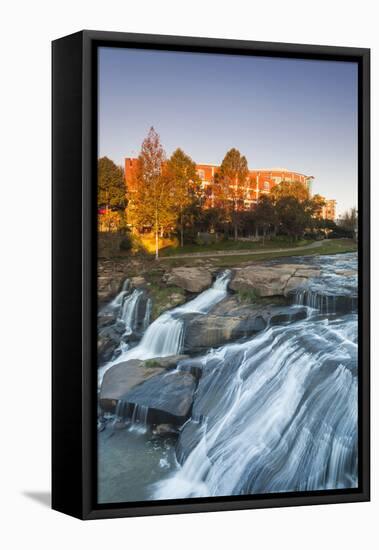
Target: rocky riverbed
{"points": [[167, 385]]}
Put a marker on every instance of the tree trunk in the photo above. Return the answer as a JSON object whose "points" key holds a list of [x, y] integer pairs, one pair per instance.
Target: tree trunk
{"points": [[181, 229], [156, 236], [235, 225]]}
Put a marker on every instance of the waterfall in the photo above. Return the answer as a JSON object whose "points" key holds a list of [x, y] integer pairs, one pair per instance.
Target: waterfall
{"points": [[326, 304], [322, 302], [117, 301], [139, 418], [146, 319], [129, 311], [131, 414], [164, 336], [277, 413]]}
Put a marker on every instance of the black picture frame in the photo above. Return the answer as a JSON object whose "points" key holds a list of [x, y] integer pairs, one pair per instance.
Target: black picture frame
{"points": [[74, 152]]}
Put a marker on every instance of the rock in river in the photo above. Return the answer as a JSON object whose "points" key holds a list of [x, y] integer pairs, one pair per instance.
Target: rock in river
{"points": [[192, 279], [124, 376], [212, 331], [167, 396], [277, 280]]}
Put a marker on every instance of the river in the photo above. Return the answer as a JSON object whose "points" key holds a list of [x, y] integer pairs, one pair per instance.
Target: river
{"points": [[276, 412]]}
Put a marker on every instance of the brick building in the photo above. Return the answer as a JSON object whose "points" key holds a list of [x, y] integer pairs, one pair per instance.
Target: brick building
{"points": [[260, 182]]}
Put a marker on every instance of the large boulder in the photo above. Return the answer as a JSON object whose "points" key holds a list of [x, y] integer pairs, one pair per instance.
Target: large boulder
{"points": [[124, 376], [274, 280], [211, 331], [192, 279], [167, 397], [121, 378]]}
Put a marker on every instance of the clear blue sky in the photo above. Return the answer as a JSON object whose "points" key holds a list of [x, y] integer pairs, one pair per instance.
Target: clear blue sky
{"points": [[287, 113]]}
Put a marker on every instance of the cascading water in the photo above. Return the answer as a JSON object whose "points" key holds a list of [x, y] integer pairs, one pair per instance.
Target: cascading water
{"points": [[276, 413], [272, 415], [131, 414], [117, 301], [164, 336], [129, 309], [146, 319]]}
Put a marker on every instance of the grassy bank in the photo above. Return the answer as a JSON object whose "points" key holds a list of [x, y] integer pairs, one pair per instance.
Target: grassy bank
{"points": [[231, 245], [332, 246]]}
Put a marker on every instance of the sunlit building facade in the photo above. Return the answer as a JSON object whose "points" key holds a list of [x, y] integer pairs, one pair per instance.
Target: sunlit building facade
{"points": [[260, 182]]}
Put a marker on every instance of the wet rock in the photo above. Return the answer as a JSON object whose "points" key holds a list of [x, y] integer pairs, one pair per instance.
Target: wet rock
{"points": [[169, 362], [295, 283], [211, 331], [193, 365], [108, 340], [106, 318], [192, 279], [284, 315], [168, 397], [122, 377], [165, 429]]}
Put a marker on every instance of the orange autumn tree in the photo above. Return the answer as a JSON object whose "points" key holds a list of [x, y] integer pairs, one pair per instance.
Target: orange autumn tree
{"points": [[152, 200], [231, 185]]}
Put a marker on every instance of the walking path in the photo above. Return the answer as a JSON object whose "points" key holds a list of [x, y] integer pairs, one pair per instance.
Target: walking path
{"points": [[315, 244]]}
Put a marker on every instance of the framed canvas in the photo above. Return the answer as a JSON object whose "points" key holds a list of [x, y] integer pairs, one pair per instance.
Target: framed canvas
{"points": [[210, 274]]}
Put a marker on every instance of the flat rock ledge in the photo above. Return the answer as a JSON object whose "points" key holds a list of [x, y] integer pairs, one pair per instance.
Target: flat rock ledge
{"points": [[279, 280], [127, 375], [192, 279]]}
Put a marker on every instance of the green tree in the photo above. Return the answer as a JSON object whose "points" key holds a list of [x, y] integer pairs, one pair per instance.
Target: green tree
{"points": [[265, 214], [181, 170], [111, 189], [233, 184], [294, 189], [292, 216], [152, 199]]}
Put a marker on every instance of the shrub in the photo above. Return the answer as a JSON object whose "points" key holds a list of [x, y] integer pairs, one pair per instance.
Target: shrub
{"points": [[126, 243], [248, 295]]}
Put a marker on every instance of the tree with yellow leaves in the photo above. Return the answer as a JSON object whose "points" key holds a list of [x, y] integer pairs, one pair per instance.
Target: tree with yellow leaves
{"points": [[152, 199]]}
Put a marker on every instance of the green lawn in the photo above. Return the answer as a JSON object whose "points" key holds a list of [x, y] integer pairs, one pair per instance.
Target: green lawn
{"points": [[231, 244], [332, 246]]}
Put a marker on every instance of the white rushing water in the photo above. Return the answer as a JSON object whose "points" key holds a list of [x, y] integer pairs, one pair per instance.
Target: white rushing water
{"points": [[164, 336], [273, 415], [128, 311]]}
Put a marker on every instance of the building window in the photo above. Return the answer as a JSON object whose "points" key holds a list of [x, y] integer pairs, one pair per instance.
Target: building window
{"points": [[266, 186], [201, 174]]}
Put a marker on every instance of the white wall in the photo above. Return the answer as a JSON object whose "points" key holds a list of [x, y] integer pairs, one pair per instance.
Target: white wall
{"points": [[27, 29]]}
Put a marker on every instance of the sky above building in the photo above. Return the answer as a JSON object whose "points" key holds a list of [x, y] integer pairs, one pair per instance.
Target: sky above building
{"points": [[296, 114]]}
